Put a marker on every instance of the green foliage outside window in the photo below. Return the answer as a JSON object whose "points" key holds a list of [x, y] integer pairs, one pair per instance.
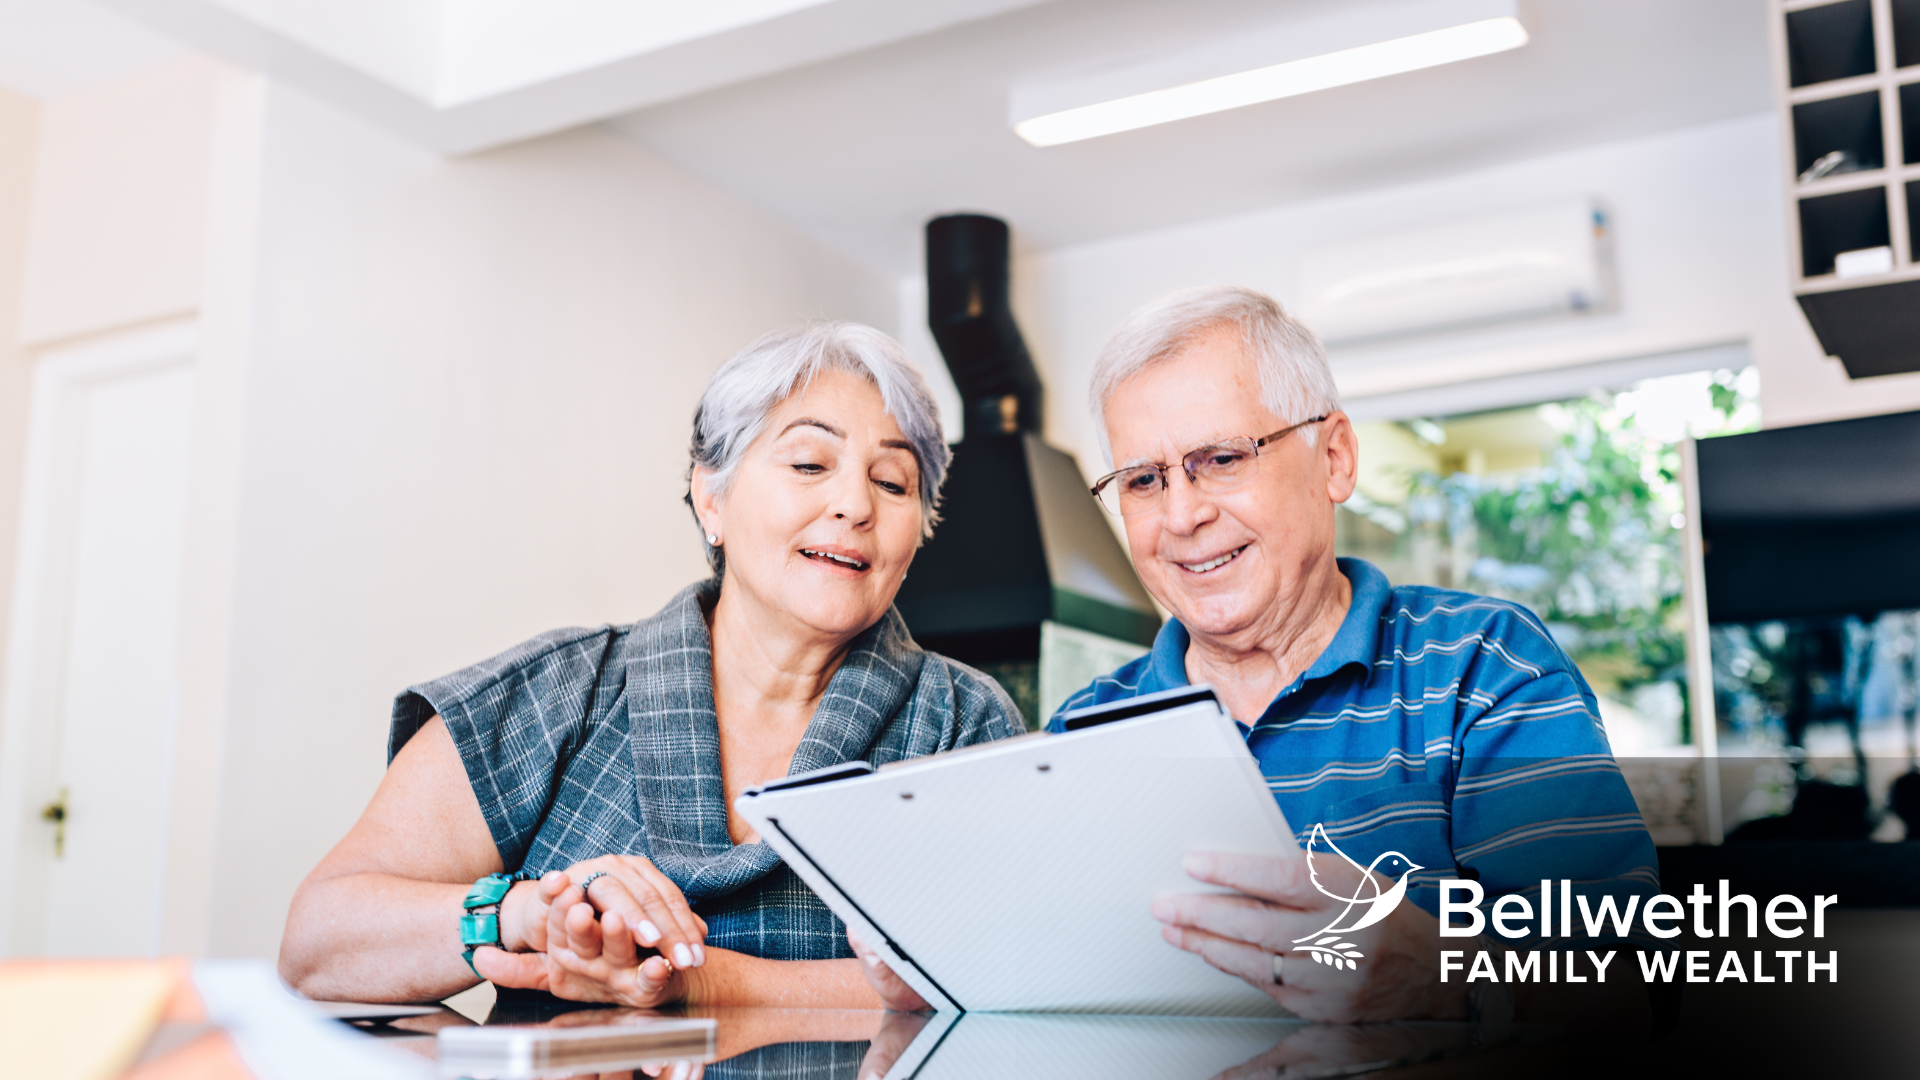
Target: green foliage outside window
{"points": [[1591, 541]]}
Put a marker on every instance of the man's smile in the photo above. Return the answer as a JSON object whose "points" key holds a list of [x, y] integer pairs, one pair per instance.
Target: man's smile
{"points": [[1215, 563]]}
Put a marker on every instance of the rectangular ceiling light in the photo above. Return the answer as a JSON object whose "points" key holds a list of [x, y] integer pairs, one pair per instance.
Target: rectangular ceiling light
{"points": [[1340, 67]]}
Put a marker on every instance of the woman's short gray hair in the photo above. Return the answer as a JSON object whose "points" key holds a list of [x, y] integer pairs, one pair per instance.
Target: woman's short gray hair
{"points": [[744, 392], [1296, 383]]}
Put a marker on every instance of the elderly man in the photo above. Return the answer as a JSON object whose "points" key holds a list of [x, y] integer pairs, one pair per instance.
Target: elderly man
{"points": [[1443, 726]]}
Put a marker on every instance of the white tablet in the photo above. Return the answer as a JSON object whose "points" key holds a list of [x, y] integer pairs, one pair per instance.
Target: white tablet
{"points": [[1017, 875]]}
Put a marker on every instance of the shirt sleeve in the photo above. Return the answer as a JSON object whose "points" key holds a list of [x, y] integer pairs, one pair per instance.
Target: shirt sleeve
{"points": [[1538, 796], [517, 719]]}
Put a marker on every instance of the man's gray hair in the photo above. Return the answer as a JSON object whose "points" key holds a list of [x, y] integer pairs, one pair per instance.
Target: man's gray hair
{"points": [[744, 392], [1296, 383]]}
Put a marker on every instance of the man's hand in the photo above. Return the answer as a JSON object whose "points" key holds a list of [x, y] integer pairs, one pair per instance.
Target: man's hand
{"points": [[1329, 1050], [1398, 978], [896, 994]]}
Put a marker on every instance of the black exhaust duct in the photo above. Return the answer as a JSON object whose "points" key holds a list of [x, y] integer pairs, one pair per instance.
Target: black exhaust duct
{"points": [[968, 263], [1021, 543]]}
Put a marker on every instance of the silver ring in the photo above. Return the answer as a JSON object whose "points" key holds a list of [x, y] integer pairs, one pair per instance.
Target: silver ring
{"points": [[591, 878], [1279, 960]]}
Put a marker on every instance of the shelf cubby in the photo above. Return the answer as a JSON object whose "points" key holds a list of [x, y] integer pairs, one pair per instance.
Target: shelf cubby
{"points": [[1906, 33], [1913, 223], [1848, 124], [1847, 82], [1910, 123], [1847, 221], [1832, 41]]}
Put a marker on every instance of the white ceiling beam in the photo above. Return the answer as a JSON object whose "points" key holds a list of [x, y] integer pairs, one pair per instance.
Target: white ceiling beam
{"points": [[395, 41]]}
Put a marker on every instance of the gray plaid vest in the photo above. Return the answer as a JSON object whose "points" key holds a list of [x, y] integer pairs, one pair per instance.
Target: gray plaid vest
{"points": [[583, 743]]}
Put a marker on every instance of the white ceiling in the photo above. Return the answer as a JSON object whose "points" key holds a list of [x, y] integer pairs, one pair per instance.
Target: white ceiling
{"points": [[861, 150], [459, 76], [856, 120], [54, 47]]}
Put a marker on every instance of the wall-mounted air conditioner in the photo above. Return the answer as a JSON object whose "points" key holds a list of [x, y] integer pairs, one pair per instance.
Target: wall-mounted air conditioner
{"points": [[1545, 261]]}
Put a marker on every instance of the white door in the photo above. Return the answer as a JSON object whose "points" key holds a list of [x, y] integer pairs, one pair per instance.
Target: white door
{"points": [[104, 539], [120, 691]]}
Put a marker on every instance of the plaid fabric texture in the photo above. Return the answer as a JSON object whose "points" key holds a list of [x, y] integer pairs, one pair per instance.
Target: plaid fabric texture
{"points": [[794, 1061], [583, 743]]}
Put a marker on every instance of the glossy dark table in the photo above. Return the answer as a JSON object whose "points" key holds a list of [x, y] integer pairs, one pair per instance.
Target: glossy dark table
{"points": [[860, 1045]]}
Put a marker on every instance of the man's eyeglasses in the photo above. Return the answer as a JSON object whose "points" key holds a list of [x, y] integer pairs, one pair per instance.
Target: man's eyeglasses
{"points": [[1220, 467]]}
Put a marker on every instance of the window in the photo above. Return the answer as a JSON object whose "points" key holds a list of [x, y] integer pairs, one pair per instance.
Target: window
{"points": [[1574, 509]]}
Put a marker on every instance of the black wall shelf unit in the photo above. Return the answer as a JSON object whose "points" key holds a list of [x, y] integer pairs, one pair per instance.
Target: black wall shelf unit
{"points": [[1848, 73]]}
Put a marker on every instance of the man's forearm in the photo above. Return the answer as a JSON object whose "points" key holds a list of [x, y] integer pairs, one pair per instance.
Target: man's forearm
{"points": [[732, 978]]}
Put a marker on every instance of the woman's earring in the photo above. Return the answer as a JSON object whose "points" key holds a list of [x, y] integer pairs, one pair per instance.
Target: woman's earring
{"points": [[712, 540]]}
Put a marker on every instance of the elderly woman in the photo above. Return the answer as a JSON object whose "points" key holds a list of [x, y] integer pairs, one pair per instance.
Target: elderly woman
{"points": [[560, 817]]}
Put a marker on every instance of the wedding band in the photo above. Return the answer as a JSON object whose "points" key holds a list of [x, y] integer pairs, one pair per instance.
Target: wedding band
{"points": [[1279, 960], [591, 878]]}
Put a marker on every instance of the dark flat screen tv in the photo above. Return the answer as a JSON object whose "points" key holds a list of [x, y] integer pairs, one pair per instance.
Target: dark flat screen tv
{"points": [[1822, 519]]}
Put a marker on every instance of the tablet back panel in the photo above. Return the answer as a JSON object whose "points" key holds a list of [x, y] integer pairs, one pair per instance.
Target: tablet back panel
{"points": [[1018, 875]]}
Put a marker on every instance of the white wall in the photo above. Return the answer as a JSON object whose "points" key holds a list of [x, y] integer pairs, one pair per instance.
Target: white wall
{"points": [[119, 222], [19, 129], [1698, 218], [469, 395]]}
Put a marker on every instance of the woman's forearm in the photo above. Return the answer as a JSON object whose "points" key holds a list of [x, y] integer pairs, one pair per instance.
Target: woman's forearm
{"points": [[731, 978], [375, 937]]}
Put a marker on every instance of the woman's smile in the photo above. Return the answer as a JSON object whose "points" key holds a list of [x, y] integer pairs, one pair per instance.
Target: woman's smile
{"points": [[845, 562]]}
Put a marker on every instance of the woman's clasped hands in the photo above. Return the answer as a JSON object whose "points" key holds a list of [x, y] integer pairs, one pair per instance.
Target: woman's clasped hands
{"points": [[627, 937]]}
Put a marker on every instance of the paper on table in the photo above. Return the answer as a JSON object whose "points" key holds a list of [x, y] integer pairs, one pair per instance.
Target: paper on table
{"points": [[281, 1037], [79, 1020]]}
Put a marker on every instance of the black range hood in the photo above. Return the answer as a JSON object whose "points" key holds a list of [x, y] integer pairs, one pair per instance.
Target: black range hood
{"points": [[1021, 541]]}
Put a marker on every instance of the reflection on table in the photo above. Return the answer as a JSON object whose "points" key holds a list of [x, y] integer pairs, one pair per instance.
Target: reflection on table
{"points": [[945, 1046]]}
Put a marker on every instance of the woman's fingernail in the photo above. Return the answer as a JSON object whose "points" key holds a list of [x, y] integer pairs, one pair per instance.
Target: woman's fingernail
{"points": [[1163, 910], [648, 932], [699, 955], [1197, 865], [680, 1070], [682, 956]]}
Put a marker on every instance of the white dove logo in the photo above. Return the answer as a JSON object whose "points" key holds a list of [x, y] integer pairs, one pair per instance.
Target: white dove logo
{"points": [[1366, 906]]}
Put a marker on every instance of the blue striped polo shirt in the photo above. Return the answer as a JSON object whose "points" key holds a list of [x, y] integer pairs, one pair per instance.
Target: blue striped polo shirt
{"points": [[1443, 725]]}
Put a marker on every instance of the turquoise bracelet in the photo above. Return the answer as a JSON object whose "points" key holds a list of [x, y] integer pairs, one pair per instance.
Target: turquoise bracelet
{"points": [[479, 928]]}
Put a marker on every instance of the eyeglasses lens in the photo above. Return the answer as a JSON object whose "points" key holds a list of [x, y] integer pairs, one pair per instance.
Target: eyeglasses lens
{"points": [[1213, 468], [1222, 464]]}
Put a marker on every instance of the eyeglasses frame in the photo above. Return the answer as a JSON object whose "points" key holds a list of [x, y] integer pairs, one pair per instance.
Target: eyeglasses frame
{"points": [[1161, 468]]}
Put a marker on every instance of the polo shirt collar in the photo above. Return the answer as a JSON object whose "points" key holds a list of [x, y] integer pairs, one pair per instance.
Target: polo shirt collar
{"points": [[1355, 642], [1358, 639]]}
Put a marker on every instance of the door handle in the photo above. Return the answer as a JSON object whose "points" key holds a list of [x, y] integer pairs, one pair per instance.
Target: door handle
{"points": [[55, 814]]}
